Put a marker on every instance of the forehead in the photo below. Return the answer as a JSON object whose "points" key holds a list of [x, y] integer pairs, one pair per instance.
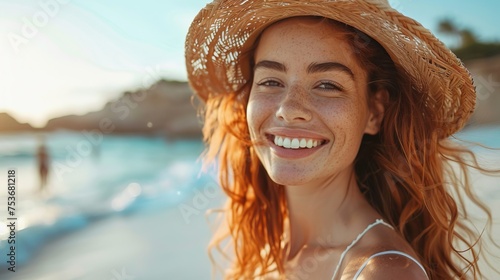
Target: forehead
{"points": [[306, 39]]}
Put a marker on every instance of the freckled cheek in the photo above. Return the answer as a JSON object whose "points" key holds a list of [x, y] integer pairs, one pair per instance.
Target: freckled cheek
{"points": [[345, 123], [257, 111], [345, 120]]}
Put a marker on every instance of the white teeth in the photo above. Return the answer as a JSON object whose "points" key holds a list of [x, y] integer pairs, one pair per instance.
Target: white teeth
{"points": [[295, 143], [309, 143], [303, 143], [286, 143]]}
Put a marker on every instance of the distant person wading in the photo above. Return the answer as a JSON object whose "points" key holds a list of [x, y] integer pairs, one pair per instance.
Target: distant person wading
{"points": [[43, 165]]}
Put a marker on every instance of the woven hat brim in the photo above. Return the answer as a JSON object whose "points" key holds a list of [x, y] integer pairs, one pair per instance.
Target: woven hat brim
{"points": [[223, 31]]}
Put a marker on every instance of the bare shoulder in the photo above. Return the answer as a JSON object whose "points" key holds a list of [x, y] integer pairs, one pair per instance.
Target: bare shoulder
{"points": [[391, 266], [384, 254]]}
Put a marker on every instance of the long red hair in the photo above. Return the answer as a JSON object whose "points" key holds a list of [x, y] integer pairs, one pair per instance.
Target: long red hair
{"points": [[405, 172]]}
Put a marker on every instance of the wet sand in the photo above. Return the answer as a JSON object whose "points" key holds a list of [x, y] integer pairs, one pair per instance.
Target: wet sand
{"points": [[147, 245]]}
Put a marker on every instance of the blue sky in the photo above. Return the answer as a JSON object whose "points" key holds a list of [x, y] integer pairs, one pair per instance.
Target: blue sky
{"points": [[81, 53]]}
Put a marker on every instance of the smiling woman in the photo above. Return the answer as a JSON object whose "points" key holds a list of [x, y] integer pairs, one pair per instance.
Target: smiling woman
{"points": [[330, 121]]}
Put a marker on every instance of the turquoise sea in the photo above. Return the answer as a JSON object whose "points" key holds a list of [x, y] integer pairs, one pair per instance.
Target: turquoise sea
{"points": [[90, 178]]}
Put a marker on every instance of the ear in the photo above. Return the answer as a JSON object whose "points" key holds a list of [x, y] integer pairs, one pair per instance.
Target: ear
{"points": [[376, 106]]}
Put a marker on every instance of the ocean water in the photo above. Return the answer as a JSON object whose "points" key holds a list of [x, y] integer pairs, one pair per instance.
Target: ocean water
{"points": [[93, 177]]}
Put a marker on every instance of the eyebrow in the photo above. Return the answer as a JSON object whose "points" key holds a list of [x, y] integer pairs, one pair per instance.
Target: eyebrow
{"points": [[312, 68], [329, 66], [273, 65]]}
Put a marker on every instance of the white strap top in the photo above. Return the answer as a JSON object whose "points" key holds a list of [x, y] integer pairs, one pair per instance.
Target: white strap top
{"points": [[370, 226], [390, 252]]}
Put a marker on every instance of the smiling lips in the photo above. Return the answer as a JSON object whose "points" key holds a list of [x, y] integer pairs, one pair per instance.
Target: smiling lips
{"points": [[296, 143]]}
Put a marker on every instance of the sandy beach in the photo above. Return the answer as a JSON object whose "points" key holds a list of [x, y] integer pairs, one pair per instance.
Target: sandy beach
{"points": [[146, 245]]}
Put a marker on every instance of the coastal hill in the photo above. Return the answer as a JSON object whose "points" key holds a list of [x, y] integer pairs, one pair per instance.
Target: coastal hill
{"points": [[166, 108], [486, 74], [9, 124]]}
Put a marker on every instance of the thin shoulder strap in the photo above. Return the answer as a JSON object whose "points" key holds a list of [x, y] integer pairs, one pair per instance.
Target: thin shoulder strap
{"points": [[390, 252], [370, 226]]}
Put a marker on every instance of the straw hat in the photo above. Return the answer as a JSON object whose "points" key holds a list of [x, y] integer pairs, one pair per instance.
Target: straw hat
{"points": [[223, 32]]}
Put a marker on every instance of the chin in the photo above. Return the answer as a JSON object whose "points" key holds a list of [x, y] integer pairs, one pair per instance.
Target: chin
{"points": [[287, 179]]}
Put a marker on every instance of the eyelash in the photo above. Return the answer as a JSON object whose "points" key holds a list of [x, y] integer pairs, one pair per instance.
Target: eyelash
{"points": [[266, 83], [329, 86]]}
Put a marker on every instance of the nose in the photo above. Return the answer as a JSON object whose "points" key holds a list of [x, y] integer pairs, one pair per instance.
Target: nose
{"points": [[295, 106]]}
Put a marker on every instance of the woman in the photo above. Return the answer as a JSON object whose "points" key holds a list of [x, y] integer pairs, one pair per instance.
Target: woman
{"points": [[329, 120]]}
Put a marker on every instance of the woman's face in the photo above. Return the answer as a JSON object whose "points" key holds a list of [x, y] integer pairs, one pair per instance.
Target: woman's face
{"points": [[308, 103]]}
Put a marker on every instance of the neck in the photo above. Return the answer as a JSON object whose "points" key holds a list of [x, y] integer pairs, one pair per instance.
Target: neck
{"points": [[326, 214]]}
